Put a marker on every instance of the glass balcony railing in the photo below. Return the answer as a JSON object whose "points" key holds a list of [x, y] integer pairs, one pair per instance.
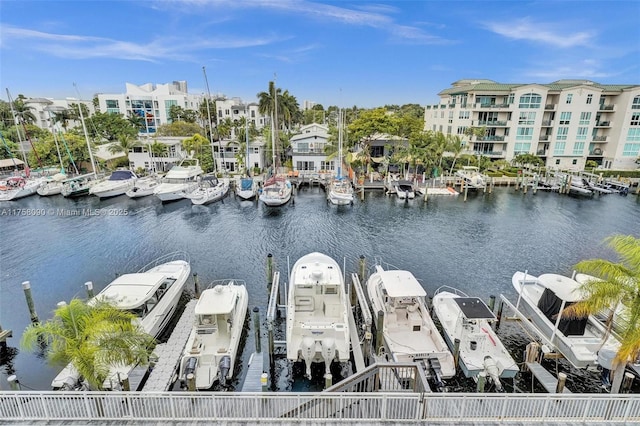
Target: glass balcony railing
{"points": [[605, 108], [492, 123], [549, 107], [599, 138], [547, 123]]}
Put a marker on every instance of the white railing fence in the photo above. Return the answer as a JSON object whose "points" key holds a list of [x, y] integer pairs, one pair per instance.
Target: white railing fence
{"points": [[398, 407]]}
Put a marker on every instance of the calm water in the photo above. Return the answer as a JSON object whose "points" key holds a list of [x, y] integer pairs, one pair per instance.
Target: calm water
{"points": [[475, 246]]}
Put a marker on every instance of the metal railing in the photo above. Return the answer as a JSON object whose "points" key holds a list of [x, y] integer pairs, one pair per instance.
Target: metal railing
{"points": [[385, 377], [376, 407]]}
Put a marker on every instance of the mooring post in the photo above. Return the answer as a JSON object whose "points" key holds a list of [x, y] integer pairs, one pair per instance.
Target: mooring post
{"points": [[269, 272], [531, 353], [26, 286], [379, 324], [562, 379], [196, 285], [366, 349], [491, 183], [492, 302], [13, 382], [482, 379], [191, 382], [499, 314], [627, 382], [426, 192], [272, 360], [4, 335], [362, 192], [89, 286], [328, 380], [456, 351], [363, 268], [525, 184], [264, 381], [256, 326], [466, 189]]}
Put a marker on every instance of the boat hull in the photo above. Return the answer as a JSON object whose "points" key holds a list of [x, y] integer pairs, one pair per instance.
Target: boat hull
{"points": [[173, 192], [101, 191]]}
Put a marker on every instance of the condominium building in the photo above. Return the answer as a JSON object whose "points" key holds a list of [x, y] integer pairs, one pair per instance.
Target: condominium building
{"points": [[235, 109], [151, 102], [565, 123]]}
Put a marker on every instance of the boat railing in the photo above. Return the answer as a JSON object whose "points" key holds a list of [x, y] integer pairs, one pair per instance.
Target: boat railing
{"points": [[226, 281], [453, 290], [169, 257]]}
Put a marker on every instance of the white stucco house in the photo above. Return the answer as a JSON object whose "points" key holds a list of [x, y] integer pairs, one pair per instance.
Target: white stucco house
{"points": [[308, 150]]}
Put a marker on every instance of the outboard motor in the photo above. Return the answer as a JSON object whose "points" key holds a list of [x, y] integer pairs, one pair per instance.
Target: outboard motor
{"points": [[70, 383], [308, 350], [328, 353], [223, 369], [189, 368], [492, 371]]}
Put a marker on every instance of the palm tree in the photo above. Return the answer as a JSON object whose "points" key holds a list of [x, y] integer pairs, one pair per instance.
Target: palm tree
{"points": [[92, 338], [616, 286], [124, 144], [23, 111], [455, 145]]}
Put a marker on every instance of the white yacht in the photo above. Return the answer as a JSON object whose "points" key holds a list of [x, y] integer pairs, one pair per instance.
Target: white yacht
{"points": [[472, 177], [405, 190], [248, 189], [151, 294], [118, 183], [276, 191], [543, 299], [469, 320], [210, 189], [179, 181], [340, 192], [212, 347], [409, 333], [317, 323], [52, 185], [143, 187], [16, 187]]}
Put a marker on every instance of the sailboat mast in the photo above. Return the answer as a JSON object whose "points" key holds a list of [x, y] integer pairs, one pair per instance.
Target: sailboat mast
{"points": [[275, 125], [15, 121], [86, 135], [246, 137], [213, 157], [55, 139], [339, 144]]}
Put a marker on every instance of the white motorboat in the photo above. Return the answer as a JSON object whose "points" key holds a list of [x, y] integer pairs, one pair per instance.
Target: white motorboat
{"points": [[409, 333], [15, 187], [276, 191], [340, 192], [317, 323], [118, 183], [212, 347], [468, 320], [248, 188], [143, 187], [209, 190], [472, 177], [179, 181], [52, 185], [151, 294], [543, 299], [405, 189], [78, 186]]}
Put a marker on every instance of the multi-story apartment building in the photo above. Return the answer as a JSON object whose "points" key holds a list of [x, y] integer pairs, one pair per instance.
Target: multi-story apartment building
{"points": [[45, 109], [150, 102], [565, 123], [235, 109]]}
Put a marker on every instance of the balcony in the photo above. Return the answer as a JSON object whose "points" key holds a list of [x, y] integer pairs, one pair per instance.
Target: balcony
{"points": [[549, 107], [541, 153], [490, 138], [606, 108], [597, 152], [603, 124], [494, 106], [600, 138], [547, 123], [543, 138], [492, 154], [493, 123]]}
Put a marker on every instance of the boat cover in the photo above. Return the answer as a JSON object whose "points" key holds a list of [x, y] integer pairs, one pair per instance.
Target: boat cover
{"points": [[246, 184], [474, 308], [550, 305]]}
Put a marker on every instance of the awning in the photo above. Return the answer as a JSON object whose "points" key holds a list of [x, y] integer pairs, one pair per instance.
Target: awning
{"points": [[10, 163]]}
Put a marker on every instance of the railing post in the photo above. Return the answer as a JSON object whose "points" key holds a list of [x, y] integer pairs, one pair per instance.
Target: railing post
{"points": [[269, 272]]}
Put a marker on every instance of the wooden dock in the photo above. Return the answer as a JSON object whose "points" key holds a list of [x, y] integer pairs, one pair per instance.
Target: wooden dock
{"points": [[169, 354], [252, 381]]}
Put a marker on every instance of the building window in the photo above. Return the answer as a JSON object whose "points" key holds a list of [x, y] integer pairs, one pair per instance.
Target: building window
{"points": [[559, 148], [524, 134], [589, 98], [582, 133], [327, 165], [461, 130], [562, 133], [578, 148], [565, 117], [522, 148], [631, 149], [635, 119], [448, 130], [527, 118], [585, 118], [530, 101], [636, 103], [557, 162], [633, 135], [305, 165], [226, 112], [574, 162], [569, 97], [256, 150], [219, 113], [512, 97], [112, 103], [464, 115]]}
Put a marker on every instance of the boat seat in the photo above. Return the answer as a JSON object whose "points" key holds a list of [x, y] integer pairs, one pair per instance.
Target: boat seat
{"points": [[304, 304], [331, 309]]}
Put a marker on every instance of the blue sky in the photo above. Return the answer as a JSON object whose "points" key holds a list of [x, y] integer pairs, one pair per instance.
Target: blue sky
{"points": [[341, 53]]}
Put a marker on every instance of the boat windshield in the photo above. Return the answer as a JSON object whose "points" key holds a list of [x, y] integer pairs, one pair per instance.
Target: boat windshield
{"points": [[121, 175]]}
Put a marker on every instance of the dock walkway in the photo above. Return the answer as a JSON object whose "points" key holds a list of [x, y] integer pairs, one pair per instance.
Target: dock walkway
{"points": [[252, 381], [161, 378], [545, 378]]}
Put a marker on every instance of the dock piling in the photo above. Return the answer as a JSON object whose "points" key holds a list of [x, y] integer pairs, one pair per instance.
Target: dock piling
{"points": [[492, 302], [456, 351], [191, 382], [379, 324], [13, 382], [562, 379], [269, 272], [256, 326], [627, 382], [328, 380], [196, 285], [363, 267], [124, 380], [4, 335], [499, 313], [26, 286], [264, 381], [89, 286], [482, 380]]}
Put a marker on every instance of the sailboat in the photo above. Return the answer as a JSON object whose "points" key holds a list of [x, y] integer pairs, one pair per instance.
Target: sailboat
{"points": [[248, 186], [79, 186], [340, 190], [277, 189]]}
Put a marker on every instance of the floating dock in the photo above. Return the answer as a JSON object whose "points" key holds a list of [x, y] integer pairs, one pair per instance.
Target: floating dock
{"points": [[252, 381], [169, 354]]}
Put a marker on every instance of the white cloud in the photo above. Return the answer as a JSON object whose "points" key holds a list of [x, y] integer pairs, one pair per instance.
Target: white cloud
{"points": [[526, 29]]}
